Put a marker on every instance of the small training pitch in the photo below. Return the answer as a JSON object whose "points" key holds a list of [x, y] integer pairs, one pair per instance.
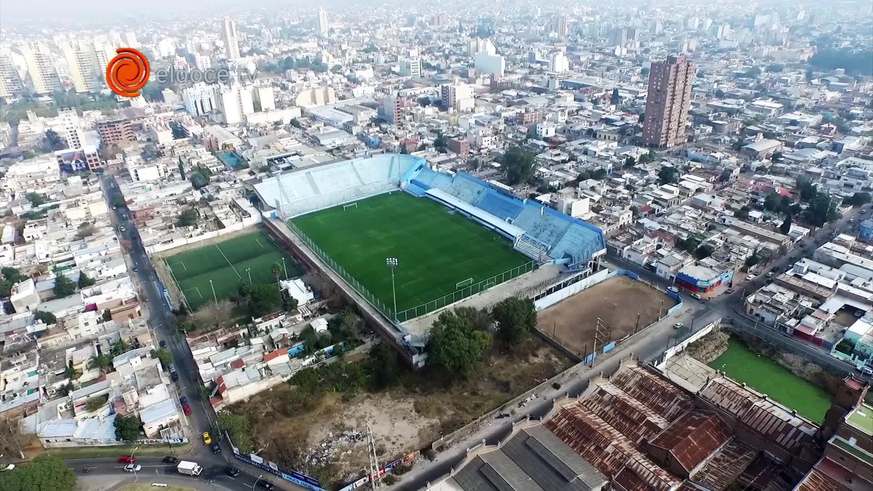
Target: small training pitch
{"points": [[623, 305], [768, 377], [228, 264], [438, 251]]}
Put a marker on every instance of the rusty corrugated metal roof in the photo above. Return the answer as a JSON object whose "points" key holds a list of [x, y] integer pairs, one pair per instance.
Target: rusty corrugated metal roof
{"points": [[692, 438], [657, 393], [630, 417], [760, 413], [725, 466], [605, 447]]}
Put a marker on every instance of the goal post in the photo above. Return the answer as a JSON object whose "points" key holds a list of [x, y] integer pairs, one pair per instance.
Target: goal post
{"points": [[463, 284], [350, 205]]}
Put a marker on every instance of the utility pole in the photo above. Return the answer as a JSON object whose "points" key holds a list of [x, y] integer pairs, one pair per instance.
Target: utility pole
{"points": [[284, 268], [392, 263]]}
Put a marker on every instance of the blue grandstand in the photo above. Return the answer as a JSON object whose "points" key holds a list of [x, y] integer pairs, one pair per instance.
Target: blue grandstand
{"points": [[539, 232], [536, 230]]}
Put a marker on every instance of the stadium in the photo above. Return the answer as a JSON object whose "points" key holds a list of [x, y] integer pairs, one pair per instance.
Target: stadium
{"points": [[412, 240]]}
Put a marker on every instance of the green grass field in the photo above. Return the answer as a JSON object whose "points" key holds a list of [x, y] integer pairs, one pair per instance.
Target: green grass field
{"points": [[435, 247], [228, 264], [768, 377]]}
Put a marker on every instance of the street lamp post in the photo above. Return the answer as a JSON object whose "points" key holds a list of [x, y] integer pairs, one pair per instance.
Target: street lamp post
{"points": [[391, 262], [256, 481]]}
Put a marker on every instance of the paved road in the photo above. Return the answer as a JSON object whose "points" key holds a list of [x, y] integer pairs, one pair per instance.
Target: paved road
{"points": [[163, 324], [647, 346]]}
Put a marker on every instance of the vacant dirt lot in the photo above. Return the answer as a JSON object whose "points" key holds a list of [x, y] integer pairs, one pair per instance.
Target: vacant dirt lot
{"points": [[617, 302], [326, 437]]}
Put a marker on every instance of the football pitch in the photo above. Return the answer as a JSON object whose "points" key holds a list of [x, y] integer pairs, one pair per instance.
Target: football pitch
{"points": [[439, 252], [228, 264]]}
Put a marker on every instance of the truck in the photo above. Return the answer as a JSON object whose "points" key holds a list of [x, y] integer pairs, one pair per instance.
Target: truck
{"points": [[189, 468]]}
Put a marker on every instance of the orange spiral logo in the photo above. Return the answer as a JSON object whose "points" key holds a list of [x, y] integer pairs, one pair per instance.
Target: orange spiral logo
{"points": [[128, 72]]}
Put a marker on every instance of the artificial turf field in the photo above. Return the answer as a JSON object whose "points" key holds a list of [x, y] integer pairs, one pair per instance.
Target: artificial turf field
{"points": [[768, 377], [228, 264], [435, 247]]}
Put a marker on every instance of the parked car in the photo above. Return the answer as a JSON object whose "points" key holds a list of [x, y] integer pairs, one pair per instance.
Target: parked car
{"points": [[750, 277], [174, 375], [696, 296], [216, 448], [186, 408], [127, 459], [678, 325], [162, 344], [207, 438], [170, 460], [7, 467], [231, 471], [132, 468]]}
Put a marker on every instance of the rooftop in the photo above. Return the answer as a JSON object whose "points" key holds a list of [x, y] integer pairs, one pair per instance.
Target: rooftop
{"points": [[862, 419]]}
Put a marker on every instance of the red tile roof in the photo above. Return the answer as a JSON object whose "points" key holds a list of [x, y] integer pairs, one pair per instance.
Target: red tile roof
{"points": [[237, 363], [276, 354]]}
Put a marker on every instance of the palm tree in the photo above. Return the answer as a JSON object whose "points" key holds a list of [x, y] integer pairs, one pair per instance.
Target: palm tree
{"points": [[103, 362]]}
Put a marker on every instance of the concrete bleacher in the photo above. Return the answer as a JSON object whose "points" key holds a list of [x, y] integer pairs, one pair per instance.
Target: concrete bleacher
{"points": [[548, 234], [314, 188], [500, 205]]}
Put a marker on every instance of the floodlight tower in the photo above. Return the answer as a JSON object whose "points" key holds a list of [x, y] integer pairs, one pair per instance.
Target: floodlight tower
{"points": [[392, 263]]}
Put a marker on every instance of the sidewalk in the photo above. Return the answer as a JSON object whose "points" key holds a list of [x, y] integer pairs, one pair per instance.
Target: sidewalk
{"points": [[116, 482], [645, 345]]}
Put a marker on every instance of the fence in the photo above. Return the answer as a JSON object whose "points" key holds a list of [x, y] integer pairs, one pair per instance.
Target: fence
{"points": [[298, 478], [411, 313]]}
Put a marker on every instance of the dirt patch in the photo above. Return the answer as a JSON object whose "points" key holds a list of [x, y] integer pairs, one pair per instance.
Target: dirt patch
{"points": [[623, 305], [327, 438], [709, 347]]}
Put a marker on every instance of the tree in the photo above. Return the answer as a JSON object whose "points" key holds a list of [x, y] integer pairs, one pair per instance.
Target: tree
{"points": [[645, 158], [821, 210], [127, 428], [118, 347], [117, 201], [515, 318], [260, 299], [64, 286], [11, 276], [86, 229], [743, 213], [773, 201], [199, 179], [36, 199], [164, 356], [455, 346], [668, 175], [187, 217], [54, 141], [629, 162], [384, 366], [615, 99], [47, 318], [238, 428], [102, 362], [94, 403], [519, 165], [44, 473], [806, 188], [440, 143], [786, 225], [703, 251], [859, 199], [70, 372], [85, 281]]}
